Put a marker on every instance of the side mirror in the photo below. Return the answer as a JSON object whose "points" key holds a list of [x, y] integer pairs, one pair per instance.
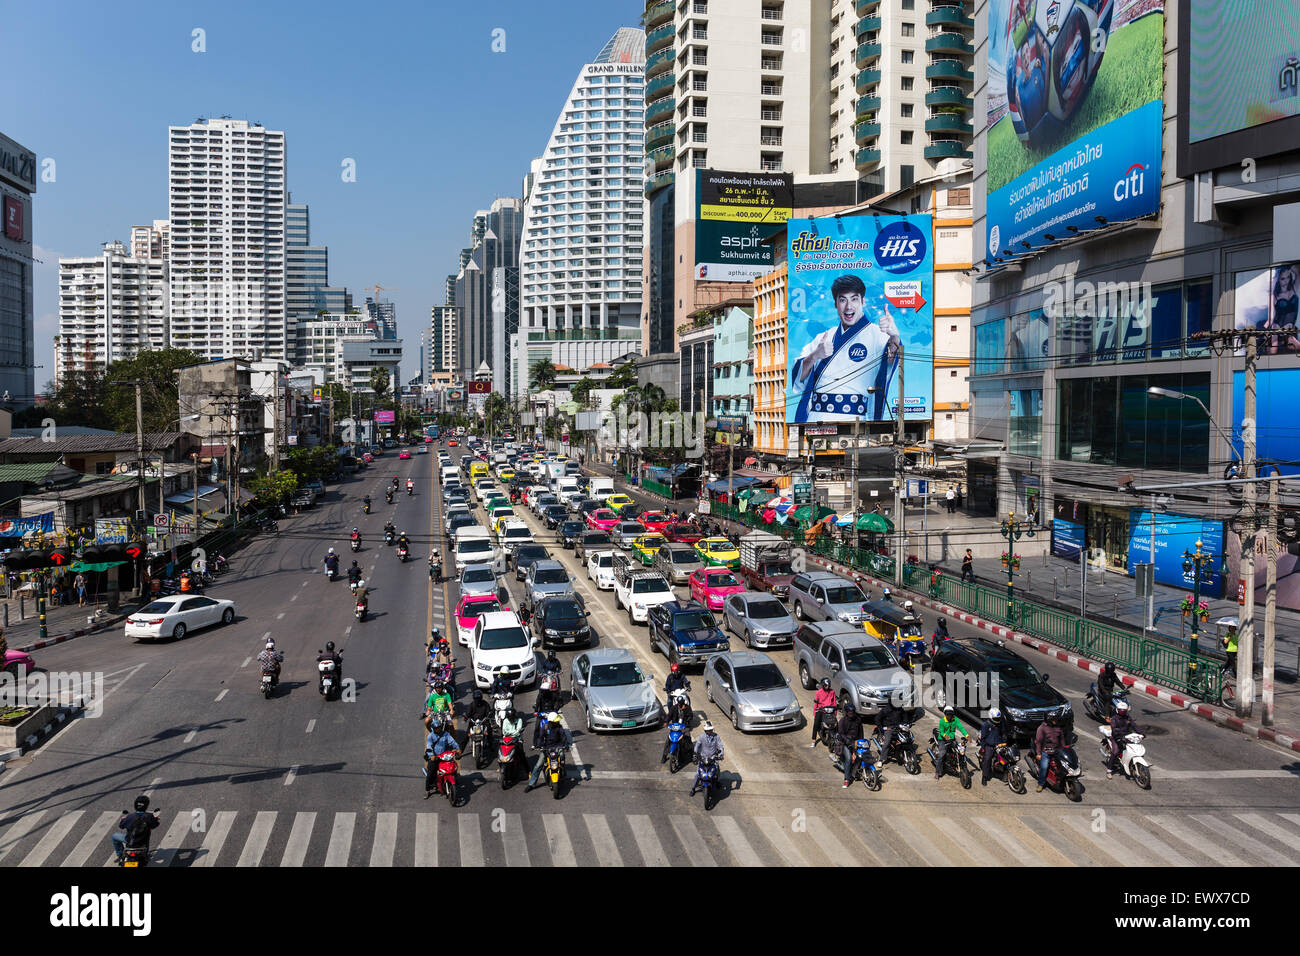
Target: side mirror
{"points": [[1044, 678], [835, 668], [725, 685]]}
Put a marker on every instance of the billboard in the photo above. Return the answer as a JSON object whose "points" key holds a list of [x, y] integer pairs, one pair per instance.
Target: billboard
{"points": [[479, 388], [21, 527], [1269, 299], [1176, 535], [112, 530], [14, 218], [1069, 527], [734, 214], [859, 289], [1075, 105], [1277, 439], [385, 418]]}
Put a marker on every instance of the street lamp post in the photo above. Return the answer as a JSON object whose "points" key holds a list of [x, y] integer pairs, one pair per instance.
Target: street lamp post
{"points": [[1193, 565], [1013, 530]]}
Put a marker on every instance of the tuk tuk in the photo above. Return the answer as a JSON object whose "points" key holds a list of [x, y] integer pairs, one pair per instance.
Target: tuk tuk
{"points": [[896, 628]]}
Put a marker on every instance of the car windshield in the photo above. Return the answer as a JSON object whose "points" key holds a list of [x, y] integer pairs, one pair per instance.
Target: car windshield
{"points": [[849, 595], [531, 554], [518, 531], [649, 586], [158, 607], [721, 580], [570, 527], [759, 677], [867, 658], [605, 561], [475, 608], [477, 575], [615, 675], [693, 621], [551, 576], [564, 612], [502, 638], [779, 567], [598, 538], [604, 514], [685, 557], [1015, 674], [473, 546], [760, 610], [629, 528]]}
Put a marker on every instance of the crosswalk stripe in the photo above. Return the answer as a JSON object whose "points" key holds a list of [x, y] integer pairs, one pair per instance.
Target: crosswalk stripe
{"points": [[919, 843], [691, 841], [602, 839], [1293, 817], [170, 844], [295, 851], [1244, 840], [52, 839], [1175, 827], [1016, 848], [19, 829], [1050, 838], [557, 838], [875, 842], [513, 837], [1110, 845], [471, 842], [736, 842], [385, 845], [341, 839], [781, 841], [643, 831], [95, 837], [216, 838], [836, 852], [1147, 841], [954, 832], [258, 836], [1272, 829], [426, 839]]}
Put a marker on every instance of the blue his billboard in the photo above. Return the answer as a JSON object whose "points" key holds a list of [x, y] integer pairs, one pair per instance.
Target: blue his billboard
{"points": [[860, 291], [1075, 107]]}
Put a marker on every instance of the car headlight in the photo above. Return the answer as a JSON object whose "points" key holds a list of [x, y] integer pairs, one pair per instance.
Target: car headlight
{"points": [[749, 710], [485, 667], [601, 711], [1016, 714], [757, 632]]}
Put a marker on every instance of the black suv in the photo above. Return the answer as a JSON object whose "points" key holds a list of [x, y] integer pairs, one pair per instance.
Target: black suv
{"points": [[685, 631], [561, 622], [977, 673], [570, 532]]}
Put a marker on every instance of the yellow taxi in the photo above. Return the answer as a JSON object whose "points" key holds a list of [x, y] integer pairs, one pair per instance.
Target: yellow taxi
{"points": [[500, 517], [646, 546], [617, 503], [717, 552], [505, 474]]}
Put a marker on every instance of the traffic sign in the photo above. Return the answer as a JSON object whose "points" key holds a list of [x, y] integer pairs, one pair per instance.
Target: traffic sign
{"points": [[801, 489], [161, 521]]}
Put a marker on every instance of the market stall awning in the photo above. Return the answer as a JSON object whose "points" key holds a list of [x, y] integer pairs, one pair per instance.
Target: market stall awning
{"points": [[806, 513], [875, 522], [738, 483], [95, 566]]}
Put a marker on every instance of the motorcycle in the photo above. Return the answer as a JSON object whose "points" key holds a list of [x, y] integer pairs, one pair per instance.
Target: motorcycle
{"points": [[389, 537], [366, 508], [1092, 702], [1132, 761], [135, 856], [554, 757], [826, 731], [679, 706], [864, 765], [267, 526], [479, 740], [508, 759], [218, 563], [358, 583], [1006, 766], [955, 761], [501, 704], [410, 489], [401, 553], [435, 570], [361, 611], [327, 683], [268, 684], [356, 544], [331, 572], [707, 779], [901, 745], [389, 495], [445, 774], [677, 748], [1063, 772]]}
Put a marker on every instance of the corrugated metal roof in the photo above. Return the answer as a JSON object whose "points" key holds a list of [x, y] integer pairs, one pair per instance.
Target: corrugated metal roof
{"points": [[33, 471], [87, 444]]}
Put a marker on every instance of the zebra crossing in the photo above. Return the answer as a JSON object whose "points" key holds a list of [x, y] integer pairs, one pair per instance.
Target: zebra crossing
{"points": [[897, 836]]}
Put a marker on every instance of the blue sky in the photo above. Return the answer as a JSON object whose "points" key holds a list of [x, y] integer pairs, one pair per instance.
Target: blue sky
{"points": [[438, 123]]}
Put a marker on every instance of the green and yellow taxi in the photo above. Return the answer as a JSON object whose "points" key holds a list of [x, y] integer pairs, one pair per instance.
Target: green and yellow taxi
{"points": [[646, 546], [617, 503], [717, 552]]}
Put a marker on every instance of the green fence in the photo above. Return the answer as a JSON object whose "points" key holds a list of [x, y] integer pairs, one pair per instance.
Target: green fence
{"points": [[657, 488]]}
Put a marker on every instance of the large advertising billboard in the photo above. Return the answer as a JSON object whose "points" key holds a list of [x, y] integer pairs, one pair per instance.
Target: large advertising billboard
{"points": [[1176, 535], [1075, 105], [385, 417], [860, 289], [734, 214], [1270, 299]]}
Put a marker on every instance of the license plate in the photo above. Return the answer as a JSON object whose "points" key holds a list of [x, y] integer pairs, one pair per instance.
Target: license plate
{"points": [[629, 723], [568, 640]]}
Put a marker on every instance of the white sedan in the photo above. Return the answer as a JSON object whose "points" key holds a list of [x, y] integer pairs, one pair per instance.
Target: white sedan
{"points": [[177, 615], [600, 568]]}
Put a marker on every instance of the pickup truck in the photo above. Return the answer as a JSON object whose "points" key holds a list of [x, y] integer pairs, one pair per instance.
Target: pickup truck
{"points": [[685, 632], [638, 590], [765, 562], [683, 533]]}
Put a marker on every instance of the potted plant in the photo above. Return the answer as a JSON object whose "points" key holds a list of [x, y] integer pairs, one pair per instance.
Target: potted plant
{"points": [[1015, 562], [1204, 611], [1006, 559], [1187, 605]]}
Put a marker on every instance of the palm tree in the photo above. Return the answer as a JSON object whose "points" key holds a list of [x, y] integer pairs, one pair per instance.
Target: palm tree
{"points": [[543, 375], [379, 381]]}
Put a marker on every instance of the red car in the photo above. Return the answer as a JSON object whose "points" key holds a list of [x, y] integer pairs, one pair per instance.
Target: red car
{"points": [[16, 659], [602, 519], [451, 442], [428, 440], [711, 586], [404, 455], [369, 457], [683, 533], [655, 521]]}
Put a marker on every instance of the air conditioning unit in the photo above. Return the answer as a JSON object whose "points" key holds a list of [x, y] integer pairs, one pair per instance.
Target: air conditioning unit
{"points": [[818, 443], [844, 443]]}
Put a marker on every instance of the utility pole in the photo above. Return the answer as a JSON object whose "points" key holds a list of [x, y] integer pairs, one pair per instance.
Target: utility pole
{"points": [[274, 465], [1270, 601], [1246, 639], [900, 462]]}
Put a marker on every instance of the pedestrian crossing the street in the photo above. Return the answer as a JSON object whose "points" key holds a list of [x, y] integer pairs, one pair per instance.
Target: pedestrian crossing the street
{"points": [[473, 837]]}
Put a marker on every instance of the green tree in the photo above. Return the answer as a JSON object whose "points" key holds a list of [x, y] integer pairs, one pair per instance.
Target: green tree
{"points": [[160, 394], [623, 377], [273, 489], [582, 390], [379, 381], [543, 375], [311, 463], [81, 398]]}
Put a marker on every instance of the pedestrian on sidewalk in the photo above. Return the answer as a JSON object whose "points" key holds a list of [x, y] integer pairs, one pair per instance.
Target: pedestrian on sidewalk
{"points": [[959, 495], [951, 499], [80, 585], [968, 567]]}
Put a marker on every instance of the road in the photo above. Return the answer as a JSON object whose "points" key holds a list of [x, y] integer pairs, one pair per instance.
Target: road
{"points": [[296, 780]]}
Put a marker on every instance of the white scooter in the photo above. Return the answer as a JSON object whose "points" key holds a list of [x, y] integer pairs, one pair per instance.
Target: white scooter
{"points": [[1132, 757]]}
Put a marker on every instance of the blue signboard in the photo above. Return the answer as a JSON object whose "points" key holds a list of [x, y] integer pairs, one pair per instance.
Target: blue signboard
{"points": [[1176, 535], [1276, 438], [22, 527], [1067, 538]]}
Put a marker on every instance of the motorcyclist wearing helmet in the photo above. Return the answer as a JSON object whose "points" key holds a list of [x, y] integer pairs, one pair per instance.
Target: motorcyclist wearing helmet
{"points": [[555, 735], [410, 486], [825, 697], [910, 608], [512, 725], [850, 732], [708, 747], [993, 731], [940, 635], [270, 660], [135, 827], [366, 501], [945, 735], [1121, 725], [388, 495], [1049, 739], [501, 683], [329, 654], [354, 573], [356, 534], [403, 542], [332, 561], [886, 595], [479, 709], [389, 529], [1107, 681], [548, 699], [888, 719], [438, 703], [439, 741], [675, 681]]}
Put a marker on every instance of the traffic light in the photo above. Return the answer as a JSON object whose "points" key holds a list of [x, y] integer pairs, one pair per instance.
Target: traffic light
{"points": [[24, 560], [104, 554], [134, 550], [60, 557]]}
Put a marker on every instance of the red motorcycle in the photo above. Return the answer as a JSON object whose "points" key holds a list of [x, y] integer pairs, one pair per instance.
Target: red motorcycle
{"points": [[509, 760], [445, 779]]}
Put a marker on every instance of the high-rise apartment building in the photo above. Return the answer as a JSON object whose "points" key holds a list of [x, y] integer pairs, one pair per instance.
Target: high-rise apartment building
{"points": [[384, 314], [581, 252], [17, 355], [442, 356], [226, 209], [495, 236], [151, 242], [111, 306], [307, 273]]}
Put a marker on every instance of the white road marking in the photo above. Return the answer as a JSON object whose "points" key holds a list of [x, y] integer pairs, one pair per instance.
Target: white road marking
{"points": [[53, 837], [279, 616], [170, 844], [1112, 846], [341, 839], [643, 831], [1222, 774], [557, 839], [295, 851], [1272, 829], [919, 843], [218, 831], [289, 777], [513, 837], [691, 840], [736, 842], [258, 837], [781, 841], [471, 841], [311, 725], [602, 840], [247, 661], [1144, 839], [1242, 839], [93, 839], [293, 597], [265, 636], [1051, 838], [1221, 856], [221, 695], [426, 839], [385, 845], [191, 735], [953, 831], [347, 630], [1016, 848]]}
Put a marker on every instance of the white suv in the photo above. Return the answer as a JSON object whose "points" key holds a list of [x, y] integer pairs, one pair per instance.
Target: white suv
{"points": [[641, 590], [501, 641]]}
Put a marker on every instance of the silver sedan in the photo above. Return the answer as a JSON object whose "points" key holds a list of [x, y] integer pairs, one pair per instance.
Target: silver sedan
{"points": [[760, 619], [613, 692], [751, 690]]}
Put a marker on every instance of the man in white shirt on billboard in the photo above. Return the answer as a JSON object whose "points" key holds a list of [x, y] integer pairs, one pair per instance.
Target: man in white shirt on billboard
{"points": [[846, 370]]}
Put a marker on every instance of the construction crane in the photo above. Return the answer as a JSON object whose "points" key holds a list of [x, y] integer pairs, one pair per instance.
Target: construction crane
{"points": [[377, 288]]}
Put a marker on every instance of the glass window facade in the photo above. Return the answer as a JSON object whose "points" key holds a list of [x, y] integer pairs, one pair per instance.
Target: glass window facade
{"points": [[1026, 424], [1111, 420], [990, 348], [1107, 322]]}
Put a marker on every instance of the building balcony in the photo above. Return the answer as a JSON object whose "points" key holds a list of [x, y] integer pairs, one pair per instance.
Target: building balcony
{"points": [[867, 159], [657, 63], [948, 96], [661, 134], [866, 25], [867, 81], [949, 69], [864, 7], [658, 182], [660, 110], [660, 157], [659, 13], [658, 38], [659, 86], [947, 16], [867, 53], [867, 105], [865, 132], [947, 149], [949, 43]]}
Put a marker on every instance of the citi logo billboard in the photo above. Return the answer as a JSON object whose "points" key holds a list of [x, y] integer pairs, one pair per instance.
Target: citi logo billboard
{"points": [[1132, 183], [900, 247]]}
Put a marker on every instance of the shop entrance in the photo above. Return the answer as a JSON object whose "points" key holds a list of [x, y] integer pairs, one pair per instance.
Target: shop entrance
{"points": [[1108, 533]]}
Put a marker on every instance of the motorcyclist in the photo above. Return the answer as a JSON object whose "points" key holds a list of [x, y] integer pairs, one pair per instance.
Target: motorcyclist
{"points": [[675, 680], [555, 735], [850, 732], [438, 703], [270, 660], [1106, 683], [708, 747], [993, 731], [389, 531], [1121, 725], [501, 683], [441, 652], [135, 828], [551, 663], [329, 654], [402, 543], [886, 595], [410, 486], [439, 741], [435, 565], [479, 708], [332, 561], [940, 635], [945, 735], [388, 495], [1049, 739], [825, 697], [354, 573], [366, 501], [356, 535], [512, 725], [910, 608], [548, 700], [887, 721]]}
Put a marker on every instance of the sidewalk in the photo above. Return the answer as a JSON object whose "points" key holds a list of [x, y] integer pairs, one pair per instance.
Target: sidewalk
{"points": [[62, 623]]}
